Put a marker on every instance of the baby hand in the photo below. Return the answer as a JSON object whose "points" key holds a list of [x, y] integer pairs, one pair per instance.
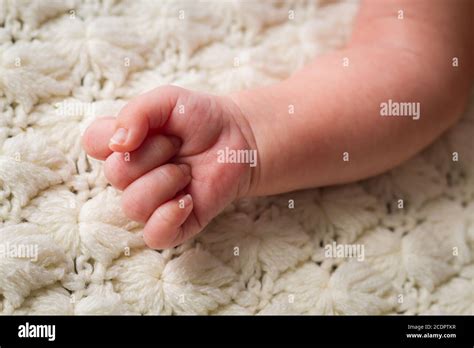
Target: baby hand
{"points": [[163, 150]]}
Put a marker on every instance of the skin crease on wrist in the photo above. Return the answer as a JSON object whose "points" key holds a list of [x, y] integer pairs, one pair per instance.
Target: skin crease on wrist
{"points": [[337, 107]]}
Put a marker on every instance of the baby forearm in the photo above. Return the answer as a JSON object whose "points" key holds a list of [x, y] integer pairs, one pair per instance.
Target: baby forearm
{"points": [[325, 125]]}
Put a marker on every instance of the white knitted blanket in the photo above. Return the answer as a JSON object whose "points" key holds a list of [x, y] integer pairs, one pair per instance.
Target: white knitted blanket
{"points": [[66, 247]]}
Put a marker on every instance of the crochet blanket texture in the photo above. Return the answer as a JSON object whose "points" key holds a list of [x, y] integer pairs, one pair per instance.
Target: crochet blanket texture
{"points": [[63, 63]]}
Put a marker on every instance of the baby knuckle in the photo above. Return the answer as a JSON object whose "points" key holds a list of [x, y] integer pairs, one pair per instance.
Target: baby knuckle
{"points": [[165, 215], [162, 146], [116, 171], [133, 208], [150, 241], [169, 173]]}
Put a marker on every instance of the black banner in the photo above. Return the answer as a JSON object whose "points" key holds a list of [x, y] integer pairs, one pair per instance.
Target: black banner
{"points": [[222, 330]]}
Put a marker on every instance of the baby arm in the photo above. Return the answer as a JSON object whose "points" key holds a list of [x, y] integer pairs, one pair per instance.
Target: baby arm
{"points": [[324, 126]]}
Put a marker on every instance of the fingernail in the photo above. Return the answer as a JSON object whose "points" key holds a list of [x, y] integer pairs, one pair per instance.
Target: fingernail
{"points": [[185, 169], [119, 136], [175, 141], [187, 200]]}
